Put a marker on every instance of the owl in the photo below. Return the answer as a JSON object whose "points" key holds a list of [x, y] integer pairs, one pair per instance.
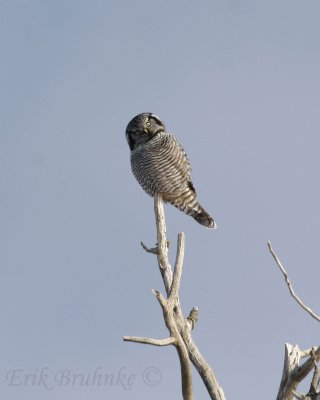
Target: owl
{"points": [[161, 166]]}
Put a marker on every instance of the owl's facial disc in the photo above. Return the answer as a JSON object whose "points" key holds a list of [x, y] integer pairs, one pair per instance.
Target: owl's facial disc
{"points": [[142, 128]]}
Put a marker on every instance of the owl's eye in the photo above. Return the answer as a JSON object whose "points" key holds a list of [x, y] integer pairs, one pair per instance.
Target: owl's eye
{"points": [[148, 124]]}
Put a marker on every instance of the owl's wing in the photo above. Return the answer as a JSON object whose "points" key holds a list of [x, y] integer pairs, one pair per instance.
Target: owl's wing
{"points": [[183, 163]]}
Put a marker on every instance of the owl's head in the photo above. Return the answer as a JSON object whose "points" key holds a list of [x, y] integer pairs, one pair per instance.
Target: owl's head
{"points": [[142, 128]]}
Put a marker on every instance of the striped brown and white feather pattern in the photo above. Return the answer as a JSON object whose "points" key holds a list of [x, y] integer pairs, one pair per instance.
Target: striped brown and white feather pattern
{"points": [[161, 166]]}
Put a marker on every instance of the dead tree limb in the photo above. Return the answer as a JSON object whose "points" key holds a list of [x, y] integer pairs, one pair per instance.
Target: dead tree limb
{"points": [[178, 326], [293, 372], [314, 391], [154, 342], [289, 284]]}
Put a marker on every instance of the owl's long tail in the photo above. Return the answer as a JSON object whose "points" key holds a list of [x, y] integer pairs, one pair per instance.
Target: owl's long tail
{"points": [[203, 217], [188, 203]]}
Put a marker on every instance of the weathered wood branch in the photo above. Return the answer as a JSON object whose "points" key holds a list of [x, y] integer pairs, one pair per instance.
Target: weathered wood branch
{"points": [[154, 342], [199, 362], [162, 244], [192, 318], [293, 372], [178, 326], [290, 287], [314, 391], [175, 286]]}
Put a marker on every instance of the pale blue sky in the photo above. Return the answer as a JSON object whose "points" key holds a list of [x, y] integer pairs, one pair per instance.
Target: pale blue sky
{"points": [[238, 83]]}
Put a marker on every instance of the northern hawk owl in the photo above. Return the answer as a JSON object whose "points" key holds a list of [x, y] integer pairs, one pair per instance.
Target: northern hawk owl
{"points": [[161, 166]]}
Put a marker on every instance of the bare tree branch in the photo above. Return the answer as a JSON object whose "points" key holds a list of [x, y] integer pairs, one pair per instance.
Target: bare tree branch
{"points": [[162, 253], [293, 372], [298, 374], [205, 371], [152, 250], [298, 396], [178, 326], [199, 362], [160, 298], [174, 291], [314, 391], [154, 342], [289, 284], [192, 318], [291, 361]]}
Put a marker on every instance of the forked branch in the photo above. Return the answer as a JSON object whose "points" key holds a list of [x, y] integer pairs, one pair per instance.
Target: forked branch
{"points": [[178, 326], [293, 372]]}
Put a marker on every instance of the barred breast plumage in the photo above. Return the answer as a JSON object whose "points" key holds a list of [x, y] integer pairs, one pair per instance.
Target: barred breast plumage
{"points": [[161, 166]]}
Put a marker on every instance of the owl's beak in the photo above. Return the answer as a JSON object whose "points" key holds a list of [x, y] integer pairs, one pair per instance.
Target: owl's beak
{"points": [[146, 131]]}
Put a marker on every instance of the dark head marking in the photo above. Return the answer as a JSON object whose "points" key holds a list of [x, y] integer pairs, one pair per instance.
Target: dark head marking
{"points": [[142, 128]]}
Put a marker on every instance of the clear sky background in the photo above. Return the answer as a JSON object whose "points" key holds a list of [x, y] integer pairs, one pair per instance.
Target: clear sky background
{"points": [[238, 83]]}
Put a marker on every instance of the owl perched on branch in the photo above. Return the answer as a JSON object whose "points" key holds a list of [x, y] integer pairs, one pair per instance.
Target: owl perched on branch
{"points": [[161, 166]]}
